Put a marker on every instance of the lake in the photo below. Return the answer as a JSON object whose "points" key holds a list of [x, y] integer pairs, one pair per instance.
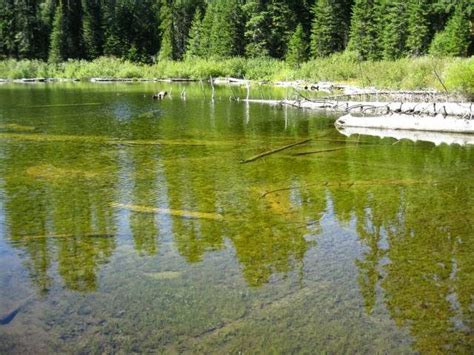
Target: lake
{"points": [[132, 225]]}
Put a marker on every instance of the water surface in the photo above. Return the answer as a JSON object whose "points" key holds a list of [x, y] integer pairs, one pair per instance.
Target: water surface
{"points": [[131, 225]]}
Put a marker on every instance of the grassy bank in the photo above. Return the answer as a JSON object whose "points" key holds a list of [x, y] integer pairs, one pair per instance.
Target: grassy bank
{"points": [[407, 73]]}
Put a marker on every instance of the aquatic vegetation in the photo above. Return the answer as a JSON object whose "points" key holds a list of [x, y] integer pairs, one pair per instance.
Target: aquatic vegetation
{"points": [[146, 233]]}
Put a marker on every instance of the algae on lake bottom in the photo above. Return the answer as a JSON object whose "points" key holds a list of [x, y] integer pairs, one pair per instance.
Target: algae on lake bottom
{"points": [[144, 233]]}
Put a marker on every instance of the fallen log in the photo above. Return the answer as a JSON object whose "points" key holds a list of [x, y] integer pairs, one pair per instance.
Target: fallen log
{"points": [[167, 211], [412, 108], [319, 151], [349, 184], [433, 137], [273, 151], [438, 123]]}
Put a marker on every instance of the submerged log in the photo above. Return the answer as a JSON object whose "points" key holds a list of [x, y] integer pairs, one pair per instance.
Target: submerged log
{"points": [[349, 184], [273, 151], [167, 211], [319, 151]]}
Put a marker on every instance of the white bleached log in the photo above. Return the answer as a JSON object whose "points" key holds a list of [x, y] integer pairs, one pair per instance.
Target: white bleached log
{"points": [[438, 123], [434, 137]]}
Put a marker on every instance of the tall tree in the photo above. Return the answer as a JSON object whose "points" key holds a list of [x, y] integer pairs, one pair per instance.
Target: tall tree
{"points": [[282, 25], [418, 27], [7, 28], [58, 47], [193, 48], [92, 28], [256, 29], [328, 32], [394, 28], [455, 39], [364, 29], [167, 30], [297, 48], [224, 34]]}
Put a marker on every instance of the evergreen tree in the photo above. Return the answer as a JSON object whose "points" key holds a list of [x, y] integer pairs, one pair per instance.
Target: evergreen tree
{"points": [[92, 28], [224, 36], [297, 48], [364, 29], [418, 30], [195, 40], [58, 47], [7, 28], [166, 27], [328, 32], [394, 28], [256, 29], [282, 24], [455, 39]]}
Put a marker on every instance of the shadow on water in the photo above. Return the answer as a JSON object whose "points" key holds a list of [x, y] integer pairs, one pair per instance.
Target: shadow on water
{"points": [[377, 232]]}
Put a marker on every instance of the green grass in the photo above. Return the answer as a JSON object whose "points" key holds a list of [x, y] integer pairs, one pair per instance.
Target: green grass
{"points": [[406, 73]]}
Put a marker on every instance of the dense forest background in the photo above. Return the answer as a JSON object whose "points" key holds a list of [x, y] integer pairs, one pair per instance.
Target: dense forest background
{"points": [[296, 30]]}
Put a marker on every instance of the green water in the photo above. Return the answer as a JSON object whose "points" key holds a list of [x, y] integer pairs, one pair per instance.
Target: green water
{"points": [[130, 225]]}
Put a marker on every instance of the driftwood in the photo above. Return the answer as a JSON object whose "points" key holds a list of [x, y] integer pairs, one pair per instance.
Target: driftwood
{"points": [[273, 151], [463, 110]]}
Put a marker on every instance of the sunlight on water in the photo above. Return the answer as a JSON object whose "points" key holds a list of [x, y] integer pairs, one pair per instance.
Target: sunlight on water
{"points": [[132, 225]]}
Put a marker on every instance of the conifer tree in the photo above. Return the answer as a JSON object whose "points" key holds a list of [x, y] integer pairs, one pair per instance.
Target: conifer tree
{"points": [[193, 48], [166, 28], [92, 28], [282, 24], [224, 34], [364, 29], [58, 47], [327, 32], [7, 25], [256, 29], [393, 24], [418, 30], [297, 48], [455, 39]]}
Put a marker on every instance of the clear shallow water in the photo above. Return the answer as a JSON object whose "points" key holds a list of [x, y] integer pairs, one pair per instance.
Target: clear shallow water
{"points": [[131, 225]]}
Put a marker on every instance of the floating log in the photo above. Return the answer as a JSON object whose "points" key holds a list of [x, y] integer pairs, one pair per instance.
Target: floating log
{"points": [[273, 151], [166, 211], [437, 123]]}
